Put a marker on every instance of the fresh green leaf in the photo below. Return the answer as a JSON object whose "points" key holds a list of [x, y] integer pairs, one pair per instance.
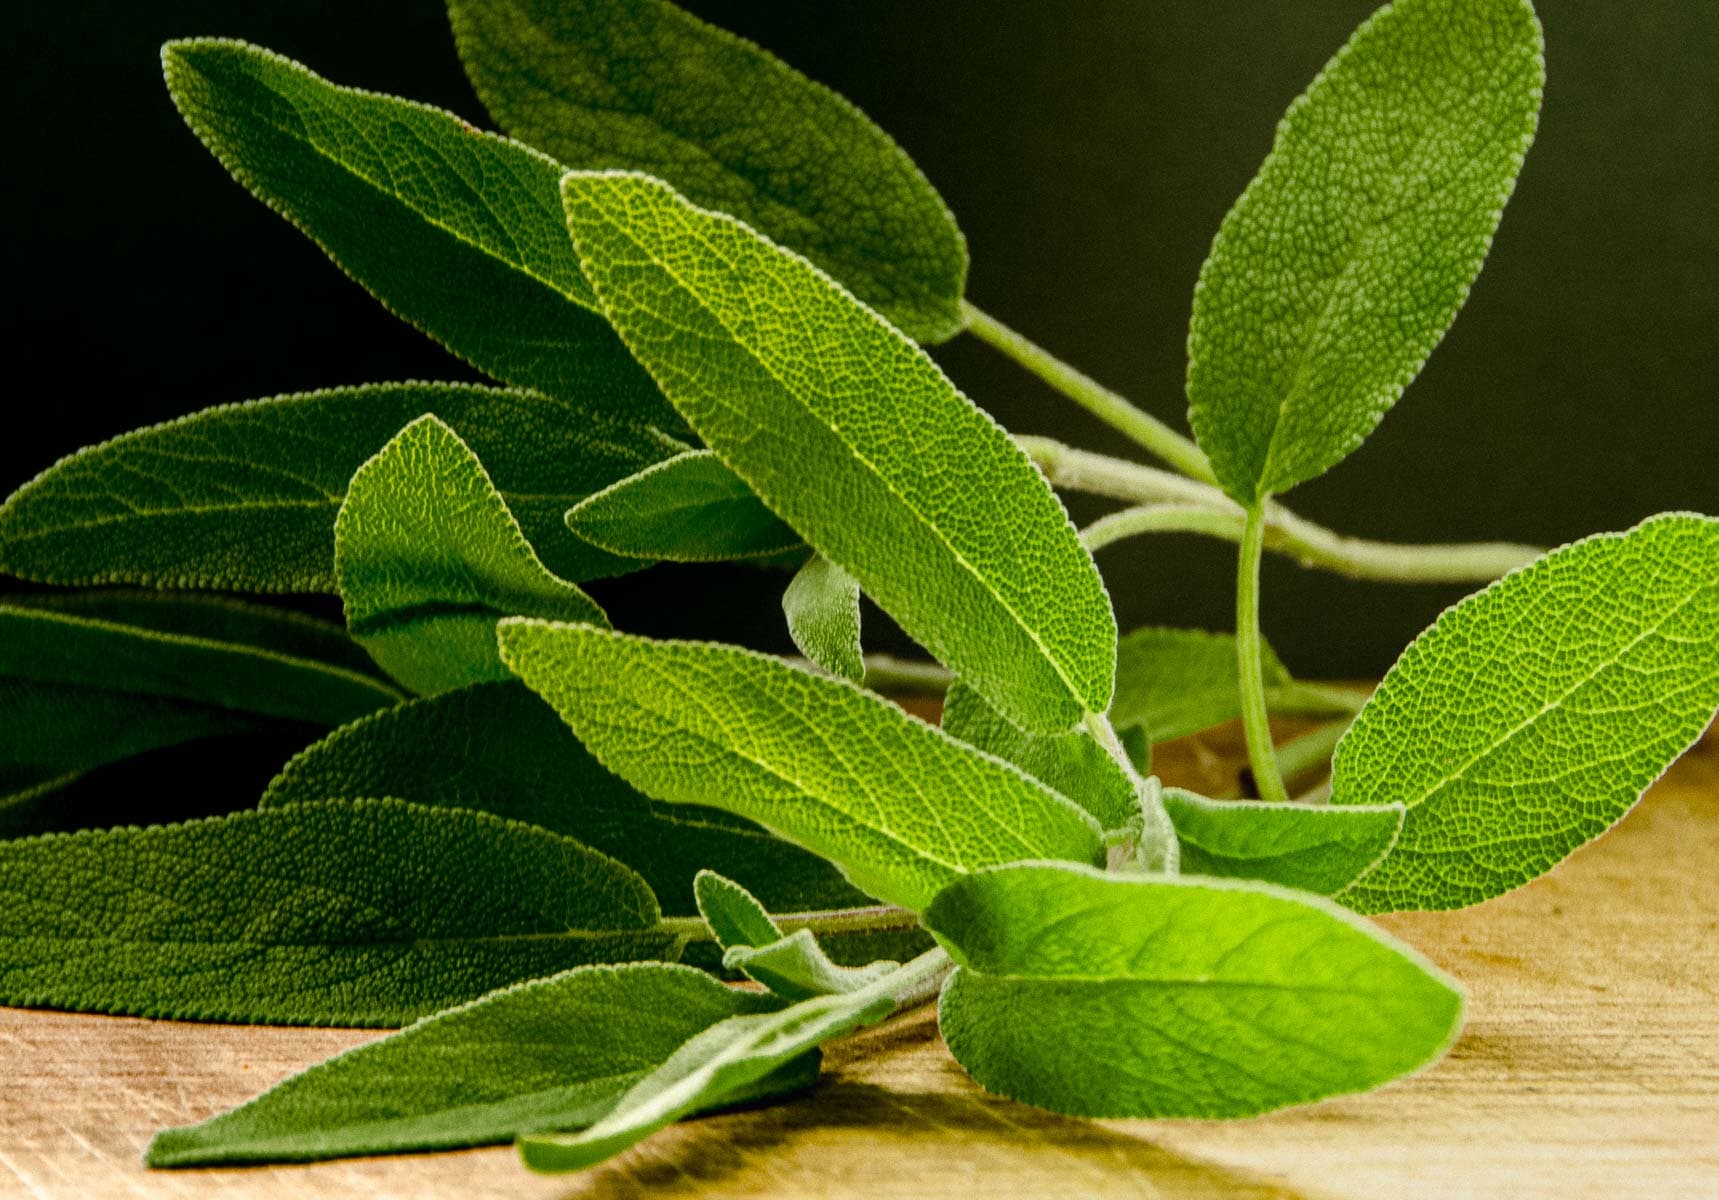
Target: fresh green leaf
{"points": [[372, 912], [243, 497], [429, 558], [900, 806], [497, 748], [853, 437], [1313, 848], [1531, 717], [795, 967], [1071, 764], [455, 231], [641, 84], [1152, 996], [1347, 257], [689, 508], [735, 916], [822, 604], [1173, 682], [553, 1054]]}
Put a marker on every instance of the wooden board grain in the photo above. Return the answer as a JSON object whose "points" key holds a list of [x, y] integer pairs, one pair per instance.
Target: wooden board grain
{"points": [[1589, 1068]]}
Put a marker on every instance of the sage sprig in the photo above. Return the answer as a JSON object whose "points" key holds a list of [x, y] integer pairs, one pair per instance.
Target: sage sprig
{"points": [[706, 280]]}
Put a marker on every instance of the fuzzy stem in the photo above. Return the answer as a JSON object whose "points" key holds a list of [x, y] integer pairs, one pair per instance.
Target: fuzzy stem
{"points": [[1158, 846], [1250, 661], [874, 918], [884, 673]]}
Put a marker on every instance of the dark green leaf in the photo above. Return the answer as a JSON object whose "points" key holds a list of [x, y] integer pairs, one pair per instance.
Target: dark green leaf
{"points": [[689, 508], [1313, 848]]}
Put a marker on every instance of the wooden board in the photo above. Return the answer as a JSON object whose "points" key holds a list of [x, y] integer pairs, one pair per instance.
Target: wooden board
{"points": [[1590, 1067]]}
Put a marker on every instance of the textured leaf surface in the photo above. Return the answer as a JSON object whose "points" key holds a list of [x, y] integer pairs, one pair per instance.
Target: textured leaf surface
{"points": [[429, 559], [831, 417], [367, 913], [552, 1054], [1531, 717], [689, 508], [1313, 848], [457, 232], [1347, 257], [641, 84], [736, 917], [1173, 682], [497, 748], [243, 497], [822, 604], [900, 806], [1140, 996], [796, 968], [1071, 764]]}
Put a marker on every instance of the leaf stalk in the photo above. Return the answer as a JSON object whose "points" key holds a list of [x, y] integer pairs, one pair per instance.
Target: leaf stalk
{"points": [[1250, 661]]}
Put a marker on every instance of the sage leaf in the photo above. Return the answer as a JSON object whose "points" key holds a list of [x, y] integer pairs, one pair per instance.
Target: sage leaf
{"points": [[831, 417], [1071, 764], [641, 84], [455, 231], [822, 604], [243, 497], [429, 558], [552, 1054], [689, 508], [736, 917], [372, 912], [1173, 682], [497, 748], [1154, 996], [1531, 717], [900, 806], [1348, 256], [792, 966], [1312, 848]]}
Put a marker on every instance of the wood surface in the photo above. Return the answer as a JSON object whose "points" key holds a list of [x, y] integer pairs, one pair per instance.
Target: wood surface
{"points": [[1589, 1068]]}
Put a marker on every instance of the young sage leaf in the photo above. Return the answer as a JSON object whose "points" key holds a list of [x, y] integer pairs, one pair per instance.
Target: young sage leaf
{"points": [[1347, 257], [455, 231], [641, 84], [1152, 996], [243, 497], [373, 912], [736, 917], [1312, 848], [1070, 764], [831, 417], [552, 1054], [429, 558], [1531, 717], [793, 966], [689, 508], [900, 806], [822, 604], [497, 748]]}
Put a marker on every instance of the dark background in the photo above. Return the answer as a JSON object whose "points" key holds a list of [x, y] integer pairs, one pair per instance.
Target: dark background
{"points": [[1089, 150]]}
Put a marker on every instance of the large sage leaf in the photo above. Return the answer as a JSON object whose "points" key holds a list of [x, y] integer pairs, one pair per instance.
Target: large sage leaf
{"points": [[496, 747], [553, 1054], [856, 440], [1347, 257], [243, 497], [429, 558], [689, 508], [641, 84], [822, 604], [1531, 717], [1313, 848], [373, 912], [457, 232], [1149, 996], [900, 806]]}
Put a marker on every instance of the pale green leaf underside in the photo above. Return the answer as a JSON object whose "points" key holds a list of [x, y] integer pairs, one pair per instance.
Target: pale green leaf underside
{"points": [[1313, 848], [1531, 717], [429, 558], [830, 416], [641, 84], [553, 1054], [736, 917], [796, 968], [900, 806], [1071, 764], [1140, 996], [243, 497], [367, 913], [497, 748], [457, 232], [822, 604], [1173, 682], [1348, 256], [689, 508]]}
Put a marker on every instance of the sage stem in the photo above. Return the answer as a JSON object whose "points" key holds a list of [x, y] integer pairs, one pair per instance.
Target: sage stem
{"points": [[1249, 660], [1158, 848]]}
